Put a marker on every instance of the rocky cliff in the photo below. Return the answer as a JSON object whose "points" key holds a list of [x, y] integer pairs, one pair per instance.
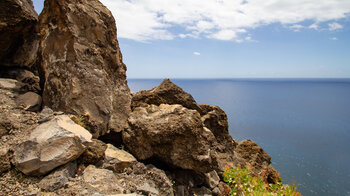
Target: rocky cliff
{"points": [[73, 127]]}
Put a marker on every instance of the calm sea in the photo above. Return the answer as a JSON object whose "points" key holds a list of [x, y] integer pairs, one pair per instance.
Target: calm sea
{"points": [[303, 124]]}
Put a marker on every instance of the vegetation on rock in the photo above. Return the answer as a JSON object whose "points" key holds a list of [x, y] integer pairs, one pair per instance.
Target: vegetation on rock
{"points": [[242, 182]]}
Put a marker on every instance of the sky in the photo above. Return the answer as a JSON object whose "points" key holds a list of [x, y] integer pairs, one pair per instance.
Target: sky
{"points": [[233, 38]]}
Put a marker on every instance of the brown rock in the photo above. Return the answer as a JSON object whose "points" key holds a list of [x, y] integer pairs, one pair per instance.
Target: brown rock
{"points": [[94, 153], [165, 93], [117, 159], [4, 159], [170, 133], [19, 39], [82, 64], [30, 101]]}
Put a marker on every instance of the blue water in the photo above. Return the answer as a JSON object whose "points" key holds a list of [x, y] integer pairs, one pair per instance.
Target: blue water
{"points": [[304, 125]]}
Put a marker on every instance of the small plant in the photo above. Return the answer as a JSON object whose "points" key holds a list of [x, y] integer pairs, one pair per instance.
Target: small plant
{"points": [[80, 120], [243, 183]]}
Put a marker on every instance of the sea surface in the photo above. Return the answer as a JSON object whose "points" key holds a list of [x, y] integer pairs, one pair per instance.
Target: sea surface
{"points": [[303, 124]]}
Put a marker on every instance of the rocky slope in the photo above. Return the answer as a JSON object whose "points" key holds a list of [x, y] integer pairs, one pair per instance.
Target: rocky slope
{"points": [[73, 127]]}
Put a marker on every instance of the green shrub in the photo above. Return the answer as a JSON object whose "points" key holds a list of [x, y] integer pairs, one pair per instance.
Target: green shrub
{"points": [[242, 182]]}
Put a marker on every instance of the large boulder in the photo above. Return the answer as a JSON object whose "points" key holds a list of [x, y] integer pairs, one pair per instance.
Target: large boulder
{"points": [[19, 38], [50, 145], [117, 160], [169, 133], [82, 64], [165, 93]]}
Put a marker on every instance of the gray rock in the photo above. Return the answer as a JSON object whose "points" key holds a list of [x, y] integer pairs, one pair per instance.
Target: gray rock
{"points": [[19, 38], [148, 189], [4, 159], [50, 145], [212, 179], [82, 64], [58, 178], [46, 114], [30, 101]]}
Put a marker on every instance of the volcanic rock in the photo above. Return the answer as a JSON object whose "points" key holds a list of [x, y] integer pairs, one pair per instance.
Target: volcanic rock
{"points": [[50, 145], [30, 101], [94, 153], [82, 64], [117, 159], [19, 38], [165, 93], [170, 133]]}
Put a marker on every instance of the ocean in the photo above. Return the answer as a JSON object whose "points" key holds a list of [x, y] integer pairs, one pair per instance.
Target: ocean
{"points": [[303, 124]]}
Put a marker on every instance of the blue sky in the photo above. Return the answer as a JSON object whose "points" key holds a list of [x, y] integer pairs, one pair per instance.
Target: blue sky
{"points": [[233, 38]]}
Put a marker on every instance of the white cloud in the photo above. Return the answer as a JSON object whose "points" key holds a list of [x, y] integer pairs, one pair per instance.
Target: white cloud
{"points": [[334, 38], [197, 53], [296, 27], [218, 19], [334, 26], [314, 26]]}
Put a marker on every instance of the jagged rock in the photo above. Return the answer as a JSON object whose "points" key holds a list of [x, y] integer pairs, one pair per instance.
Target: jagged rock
{"points": [[58, 178], [4, 159], [170, 133], [117, 159], [94, 153], [249, 154], [30, 81], [50, 145], [82, 64], [46, 114], [30, 101], [147, 180], [19, 39], [101, 181], [165, 93], [212, 179]]}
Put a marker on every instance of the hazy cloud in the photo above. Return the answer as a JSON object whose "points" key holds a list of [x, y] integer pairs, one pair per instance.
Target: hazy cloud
{"points": [[196, 53], [218, 19], [334, 26], [334, 38]]}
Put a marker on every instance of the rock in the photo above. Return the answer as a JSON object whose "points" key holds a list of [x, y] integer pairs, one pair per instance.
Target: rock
{"points": [[10, 84], [170, 133], [46, 114], [212, 179], [4, 159], [148, 190], [30, 101], [165, 93], [94, 153], [30, 81], [82, 64], [202, 191], [50, 145], [116, 159], [58, 178], [102, 181], [19, 38]]}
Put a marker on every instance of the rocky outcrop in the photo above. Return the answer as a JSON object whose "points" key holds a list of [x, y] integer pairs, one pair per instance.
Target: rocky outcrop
{"points": [[50, 145], [82, 64], [165, 93], [170, 133], [19, 38]]}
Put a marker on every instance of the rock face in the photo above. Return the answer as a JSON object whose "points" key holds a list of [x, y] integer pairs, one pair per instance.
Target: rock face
{"points": [[50, 145], [82, 64], [170, 133], [165, 93], [19, 39]]}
